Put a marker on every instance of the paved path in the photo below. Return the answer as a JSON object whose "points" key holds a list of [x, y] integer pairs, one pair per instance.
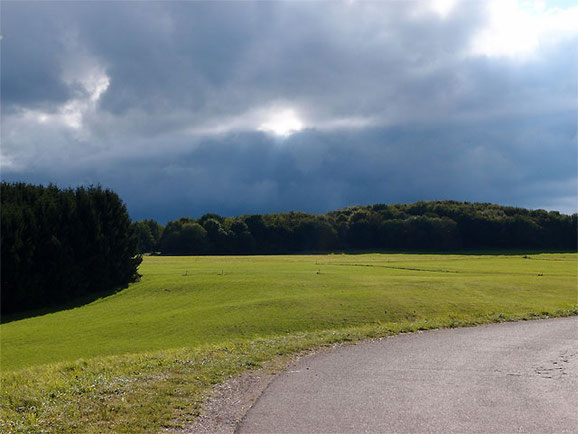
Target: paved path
{"points": [[512, 377]]}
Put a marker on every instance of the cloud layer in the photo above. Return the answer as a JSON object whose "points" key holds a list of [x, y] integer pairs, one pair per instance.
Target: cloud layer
{"points": [[186, 108]]}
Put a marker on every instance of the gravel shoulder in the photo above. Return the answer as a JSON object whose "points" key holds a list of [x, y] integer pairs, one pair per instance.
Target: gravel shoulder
{"points": [[229, 402]]}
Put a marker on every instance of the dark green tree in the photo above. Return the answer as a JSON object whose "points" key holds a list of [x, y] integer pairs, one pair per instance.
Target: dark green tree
{"points": [[58, 244]]}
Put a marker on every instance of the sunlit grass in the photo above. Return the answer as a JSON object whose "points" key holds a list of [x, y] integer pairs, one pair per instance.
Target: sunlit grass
{"points": [[150, 352]]}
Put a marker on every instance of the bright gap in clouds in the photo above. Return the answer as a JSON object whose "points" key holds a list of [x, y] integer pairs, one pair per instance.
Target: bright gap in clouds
{"points": [[518, 28], [443, 7], [71, 113], [282, 123]]}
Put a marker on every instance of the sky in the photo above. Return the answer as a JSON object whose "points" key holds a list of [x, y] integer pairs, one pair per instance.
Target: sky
{"points": [[239, 107]]}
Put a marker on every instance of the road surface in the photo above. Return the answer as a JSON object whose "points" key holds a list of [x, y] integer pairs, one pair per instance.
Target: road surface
{"points": [[506, 378]]}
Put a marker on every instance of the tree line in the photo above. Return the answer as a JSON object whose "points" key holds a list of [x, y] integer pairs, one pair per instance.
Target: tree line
{"points": [[58, 245], [436, 226]]}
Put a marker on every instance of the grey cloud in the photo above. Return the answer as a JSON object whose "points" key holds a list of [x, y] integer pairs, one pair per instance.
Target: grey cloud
{"points": [[215, 58], [445, 125], [32, 51]]}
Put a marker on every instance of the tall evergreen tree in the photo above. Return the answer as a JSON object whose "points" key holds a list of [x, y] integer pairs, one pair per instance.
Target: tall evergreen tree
{"points": [[57, 245]]}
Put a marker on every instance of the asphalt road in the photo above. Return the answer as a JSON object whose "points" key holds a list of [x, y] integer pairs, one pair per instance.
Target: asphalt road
{"points": [[506, 378]]}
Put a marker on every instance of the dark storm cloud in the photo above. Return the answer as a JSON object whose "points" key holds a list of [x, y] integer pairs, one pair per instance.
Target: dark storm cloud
{"points": [[31, 66], [161, 102], [216, 59]]}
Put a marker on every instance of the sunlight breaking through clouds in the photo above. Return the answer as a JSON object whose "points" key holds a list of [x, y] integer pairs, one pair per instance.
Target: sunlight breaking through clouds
{"points": [[282, 123], [443, 7]]}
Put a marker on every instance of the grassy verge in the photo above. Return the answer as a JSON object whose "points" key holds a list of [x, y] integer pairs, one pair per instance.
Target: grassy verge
{"points": [[149, 392]]}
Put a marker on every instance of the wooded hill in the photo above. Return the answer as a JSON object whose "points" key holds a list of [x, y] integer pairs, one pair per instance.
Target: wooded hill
{"points": [[435, 226]]}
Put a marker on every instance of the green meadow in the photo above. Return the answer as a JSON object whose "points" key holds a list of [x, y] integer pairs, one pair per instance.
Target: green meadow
{"points": [[144, 358]]}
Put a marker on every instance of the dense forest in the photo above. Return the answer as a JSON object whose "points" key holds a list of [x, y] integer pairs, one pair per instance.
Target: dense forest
{"points": [[57, 245], [436, 226]]}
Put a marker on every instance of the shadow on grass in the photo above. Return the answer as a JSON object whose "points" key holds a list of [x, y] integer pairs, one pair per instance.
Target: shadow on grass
{"points": [[80, 301]]}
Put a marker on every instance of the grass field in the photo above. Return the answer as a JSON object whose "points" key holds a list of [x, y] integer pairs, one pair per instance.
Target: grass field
{"points": [[149, 353]]}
